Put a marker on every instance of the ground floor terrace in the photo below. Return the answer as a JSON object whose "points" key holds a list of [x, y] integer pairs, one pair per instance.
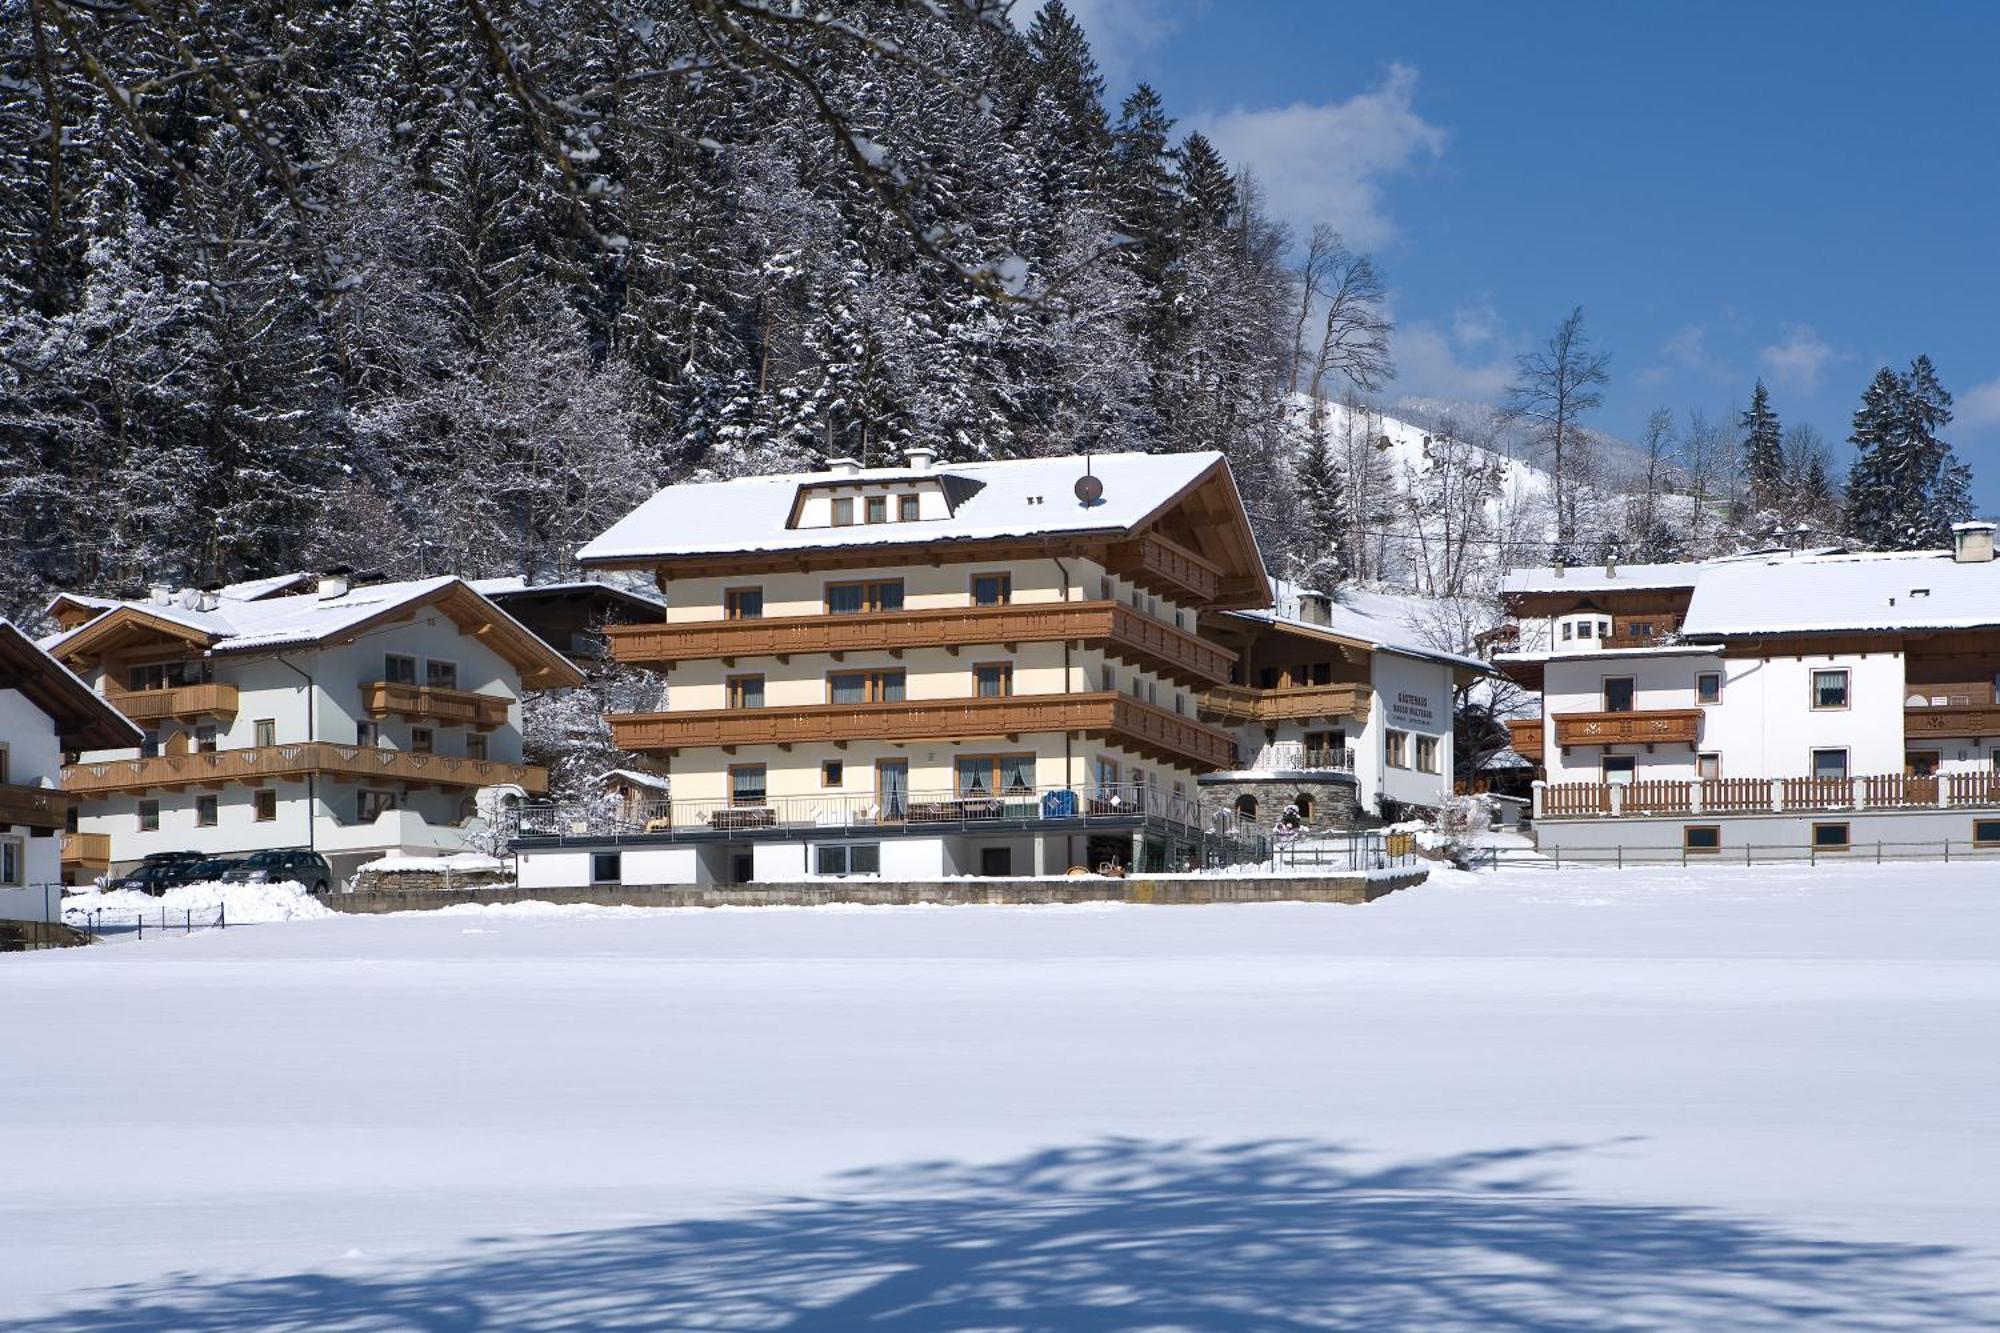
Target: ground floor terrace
{"points": [[1019, 829], [1716, 1099], [1890, 816]]}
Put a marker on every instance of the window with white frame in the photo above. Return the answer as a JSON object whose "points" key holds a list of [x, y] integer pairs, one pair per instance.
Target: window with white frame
{"points": [[1829, 687], [1829, 764], [13, 862], [1620, 767], [1396, 747], [149, 816]]}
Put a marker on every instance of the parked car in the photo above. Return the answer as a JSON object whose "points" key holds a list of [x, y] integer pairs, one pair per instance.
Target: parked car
{"points": [[154, 878], [308, 868], [169, 870]]}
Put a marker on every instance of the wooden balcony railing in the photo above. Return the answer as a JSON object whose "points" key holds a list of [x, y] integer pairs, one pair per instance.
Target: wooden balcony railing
{"points": [[1238, 703], [1120, 719], [1794, 795], [92, 851], [346, 763], [181, 702], [32, 807], [450, 708], [1670, 725], [1951, 719], [1527, 737], [1123, 632], [1166, 566]]}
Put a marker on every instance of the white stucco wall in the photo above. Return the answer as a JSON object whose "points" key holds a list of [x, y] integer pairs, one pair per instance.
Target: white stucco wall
{"points": [[1415, 696]]}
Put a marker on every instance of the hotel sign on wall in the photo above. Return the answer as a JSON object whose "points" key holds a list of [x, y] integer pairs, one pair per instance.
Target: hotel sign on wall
{"points": [[1411, 711]]}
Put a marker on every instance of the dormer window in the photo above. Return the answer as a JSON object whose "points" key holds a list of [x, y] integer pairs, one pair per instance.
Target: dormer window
{"points": [[877, 508], [907, 508], [843, 512]]}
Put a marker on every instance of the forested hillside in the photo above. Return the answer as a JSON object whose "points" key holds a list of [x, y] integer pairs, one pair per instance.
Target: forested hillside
{"points": [[447, 285]]}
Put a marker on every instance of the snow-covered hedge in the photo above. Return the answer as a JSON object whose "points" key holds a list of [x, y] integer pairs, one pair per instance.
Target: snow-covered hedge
{"points": [[245, 904]]}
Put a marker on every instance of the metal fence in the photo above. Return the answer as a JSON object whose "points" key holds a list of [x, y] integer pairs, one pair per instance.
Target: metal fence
{"points": [[1749, 854], [1353, 852], [101, 924]]}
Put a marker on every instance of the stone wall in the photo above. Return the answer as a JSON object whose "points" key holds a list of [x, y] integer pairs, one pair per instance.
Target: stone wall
{"points": [[1334, 802], [1159, 890]]}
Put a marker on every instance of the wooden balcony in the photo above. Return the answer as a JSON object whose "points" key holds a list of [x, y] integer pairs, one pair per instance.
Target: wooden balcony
{"points": [[1643, 726], [1237, 703], [429, 703], [181, 703], [1120, 719], [1943, 720], [342, 763], [1119, 629], [1166, 567], [92, 851], [32, 807], [1527, 737]]}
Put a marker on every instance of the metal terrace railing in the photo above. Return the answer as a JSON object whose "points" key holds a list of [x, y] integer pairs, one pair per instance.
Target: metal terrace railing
{"points": [[1123, 806]]}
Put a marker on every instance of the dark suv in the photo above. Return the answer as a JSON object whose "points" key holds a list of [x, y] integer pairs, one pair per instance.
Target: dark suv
{"points": [[308, 868], [169, 870]]}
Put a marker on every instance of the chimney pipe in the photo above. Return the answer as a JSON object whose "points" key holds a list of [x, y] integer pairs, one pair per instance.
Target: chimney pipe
{"points": [[161, 593], [921, 457], [844, 466], [1972, 543], [334, 582]]}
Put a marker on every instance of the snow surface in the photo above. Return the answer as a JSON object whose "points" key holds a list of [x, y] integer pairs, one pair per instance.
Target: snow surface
{"points": [[1575, 1100], [242, 904], [1015, 497], [461, 862]]}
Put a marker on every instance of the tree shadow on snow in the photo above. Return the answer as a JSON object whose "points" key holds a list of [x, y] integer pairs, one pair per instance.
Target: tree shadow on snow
{"points": [[1122, 1235]]}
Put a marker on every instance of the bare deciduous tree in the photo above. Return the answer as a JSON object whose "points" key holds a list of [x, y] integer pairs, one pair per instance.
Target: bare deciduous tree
{"points": [[1557, 385], [1344, 291]]}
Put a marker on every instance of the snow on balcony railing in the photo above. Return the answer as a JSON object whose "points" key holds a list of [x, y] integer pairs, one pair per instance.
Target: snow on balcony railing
{"points": [[1793, 795]]}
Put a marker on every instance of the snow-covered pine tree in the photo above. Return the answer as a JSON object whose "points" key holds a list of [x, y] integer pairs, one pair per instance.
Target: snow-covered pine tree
{"points": [[1763, 448], [1906, 487]]}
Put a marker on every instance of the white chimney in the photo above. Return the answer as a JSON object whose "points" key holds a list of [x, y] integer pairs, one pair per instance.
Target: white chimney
{"points": [[333, 583], [210, 599], [1972, 543], [162, 594], [921, 457], [844, 466]]}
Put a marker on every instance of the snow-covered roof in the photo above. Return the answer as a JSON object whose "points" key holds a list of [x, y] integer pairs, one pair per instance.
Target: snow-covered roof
{"points": [[1875, 590], [1014, 498], [83, 718], [510, 586], [1678, 649], [304, 619], [1596, 578], [1386, 622], [637, 777], [252, 590]]}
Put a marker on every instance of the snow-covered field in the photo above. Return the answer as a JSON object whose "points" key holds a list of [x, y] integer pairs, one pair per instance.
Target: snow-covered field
{"points": [[1534, 1100]]}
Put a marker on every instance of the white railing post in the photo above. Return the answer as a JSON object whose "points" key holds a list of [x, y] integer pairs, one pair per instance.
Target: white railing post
{"points": [[1539, 787], [1943, 791], [1777, 795], [1617, 799], [1694, 797], [1858, 791]]}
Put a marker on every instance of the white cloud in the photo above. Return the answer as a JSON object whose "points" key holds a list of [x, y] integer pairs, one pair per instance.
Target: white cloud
{"points": [[1431, 364], [1324, 161], [1475, 325], [1980, 405], [1686, 350], [1798, 359]]}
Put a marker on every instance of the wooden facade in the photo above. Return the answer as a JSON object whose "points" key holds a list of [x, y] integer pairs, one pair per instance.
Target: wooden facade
{"points": [[348, 763]]}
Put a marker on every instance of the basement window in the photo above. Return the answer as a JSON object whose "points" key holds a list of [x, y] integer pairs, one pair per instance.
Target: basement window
{"points": [[1701, 839], [848, 858], [605, 868], [1829, 837], [1986, 833]]}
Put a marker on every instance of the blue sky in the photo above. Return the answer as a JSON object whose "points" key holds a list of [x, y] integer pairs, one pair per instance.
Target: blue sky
{"points": [[1801, 192]]}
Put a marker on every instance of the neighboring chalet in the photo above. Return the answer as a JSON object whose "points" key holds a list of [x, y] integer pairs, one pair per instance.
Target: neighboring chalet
{"points": [[45, 711], [571, 617], [1825, 699], [350, 720], [1339, 707], [920, 671]]}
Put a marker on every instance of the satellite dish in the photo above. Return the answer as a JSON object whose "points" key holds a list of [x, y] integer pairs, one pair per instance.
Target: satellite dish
{"points": [[1089, 489]]}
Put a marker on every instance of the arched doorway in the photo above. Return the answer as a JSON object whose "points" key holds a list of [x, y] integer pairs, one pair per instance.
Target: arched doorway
{"points": [[1246, 806]]}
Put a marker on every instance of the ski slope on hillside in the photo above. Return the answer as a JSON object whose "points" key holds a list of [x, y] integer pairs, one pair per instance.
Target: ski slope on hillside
{"points": [[1718, 1099]]}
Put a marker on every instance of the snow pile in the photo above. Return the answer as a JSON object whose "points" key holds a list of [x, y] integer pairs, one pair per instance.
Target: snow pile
{"points": [[459, 863], [241, 904]]}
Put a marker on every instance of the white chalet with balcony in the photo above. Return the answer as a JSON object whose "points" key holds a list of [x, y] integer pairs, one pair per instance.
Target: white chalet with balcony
{"points": [[349, 719], [1821, 701]]}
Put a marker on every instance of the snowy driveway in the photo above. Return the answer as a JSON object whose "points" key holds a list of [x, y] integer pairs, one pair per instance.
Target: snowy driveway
{"points": [[1538, 1100]]}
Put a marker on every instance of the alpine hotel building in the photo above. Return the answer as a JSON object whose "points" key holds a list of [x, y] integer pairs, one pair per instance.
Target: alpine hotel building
{"points": [[924, 671]]}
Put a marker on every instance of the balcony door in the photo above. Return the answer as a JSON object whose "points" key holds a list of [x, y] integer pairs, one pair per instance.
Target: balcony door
{"points": [[892, 789], [1617, 694]]}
